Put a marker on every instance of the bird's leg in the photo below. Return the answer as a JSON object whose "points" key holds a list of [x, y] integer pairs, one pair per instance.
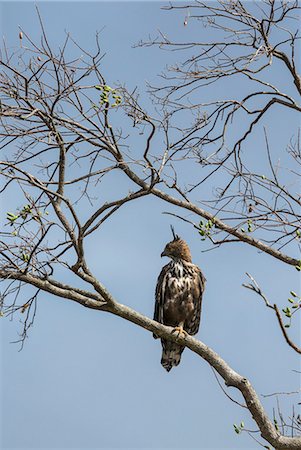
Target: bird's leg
{"points": [[180, 331]]}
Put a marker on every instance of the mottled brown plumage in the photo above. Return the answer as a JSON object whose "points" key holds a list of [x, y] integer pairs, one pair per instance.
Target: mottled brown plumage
{"points": [[179, 294]]}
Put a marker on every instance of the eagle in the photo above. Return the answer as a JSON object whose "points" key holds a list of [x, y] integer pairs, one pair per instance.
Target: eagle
{"points": [[179, 294]]}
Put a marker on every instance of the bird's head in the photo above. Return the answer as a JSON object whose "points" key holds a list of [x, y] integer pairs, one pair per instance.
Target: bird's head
{"points": [[177, 249]]}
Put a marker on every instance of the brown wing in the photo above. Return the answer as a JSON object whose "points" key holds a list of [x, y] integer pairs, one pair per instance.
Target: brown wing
{"points": [[159, 296], [192, 326]]}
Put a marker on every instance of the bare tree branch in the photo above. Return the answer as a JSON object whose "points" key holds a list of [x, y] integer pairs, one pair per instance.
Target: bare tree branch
{"points": [[60, 137]]}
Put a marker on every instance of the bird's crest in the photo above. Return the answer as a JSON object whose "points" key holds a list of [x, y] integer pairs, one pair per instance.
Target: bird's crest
{"points": [[175, 236]]}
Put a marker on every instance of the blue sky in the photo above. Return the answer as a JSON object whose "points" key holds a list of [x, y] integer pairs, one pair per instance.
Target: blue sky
{"points": [[86, 379]]}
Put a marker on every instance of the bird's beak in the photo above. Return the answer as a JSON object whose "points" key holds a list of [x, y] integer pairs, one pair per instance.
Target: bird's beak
{"points": [[163, 254]]}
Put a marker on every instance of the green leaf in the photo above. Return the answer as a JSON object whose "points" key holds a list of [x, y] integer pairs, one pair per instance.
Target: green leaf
{"points": [[236, 428], [25, 257], [287, 312], [99, 88], [25, 211], [11, 217], [242, 425], [287, 325], [293, 294]]}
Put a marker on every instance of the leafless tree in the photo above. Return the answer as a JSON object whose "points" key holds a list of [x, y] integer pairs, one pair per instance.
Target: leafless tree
{"points": [[60, 136], [261, 204]]}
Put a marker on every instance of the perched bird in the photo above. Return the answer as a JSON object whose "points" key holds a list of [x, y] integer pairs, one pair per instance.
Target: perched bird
{"points": [[179, 295]]}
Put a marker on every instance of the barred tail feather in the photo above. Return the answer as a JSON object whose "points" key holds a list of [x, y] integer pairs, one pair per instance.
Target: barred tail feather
{"points": [[171, 354]]}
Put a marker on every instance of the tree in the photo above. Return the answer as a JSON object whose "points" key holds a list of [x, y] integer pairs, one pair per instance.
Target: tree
{"points": [[60, 115]]}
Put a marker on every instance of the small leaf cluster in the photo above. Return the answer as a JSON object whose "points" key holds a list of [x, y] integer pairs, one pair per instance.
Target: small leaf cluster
{"points": [[11, 217], [25, 256], [250, 228], [295, 301], [298, 233], [238, 428], [25, 213], [205, 228], [287, 312], [106, 93], [276, 425]]}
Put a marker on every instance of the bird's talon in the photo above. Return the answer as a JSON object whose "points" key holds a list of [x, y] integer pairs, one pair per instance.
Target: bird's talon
{"points": [[180, 332]]}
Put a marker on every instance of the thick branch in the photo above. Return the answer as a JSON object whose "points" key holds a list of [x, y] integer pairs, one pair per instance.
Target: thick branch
{"points": [[227, 228], [205, 214], [231, 378], [85, 298]]}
